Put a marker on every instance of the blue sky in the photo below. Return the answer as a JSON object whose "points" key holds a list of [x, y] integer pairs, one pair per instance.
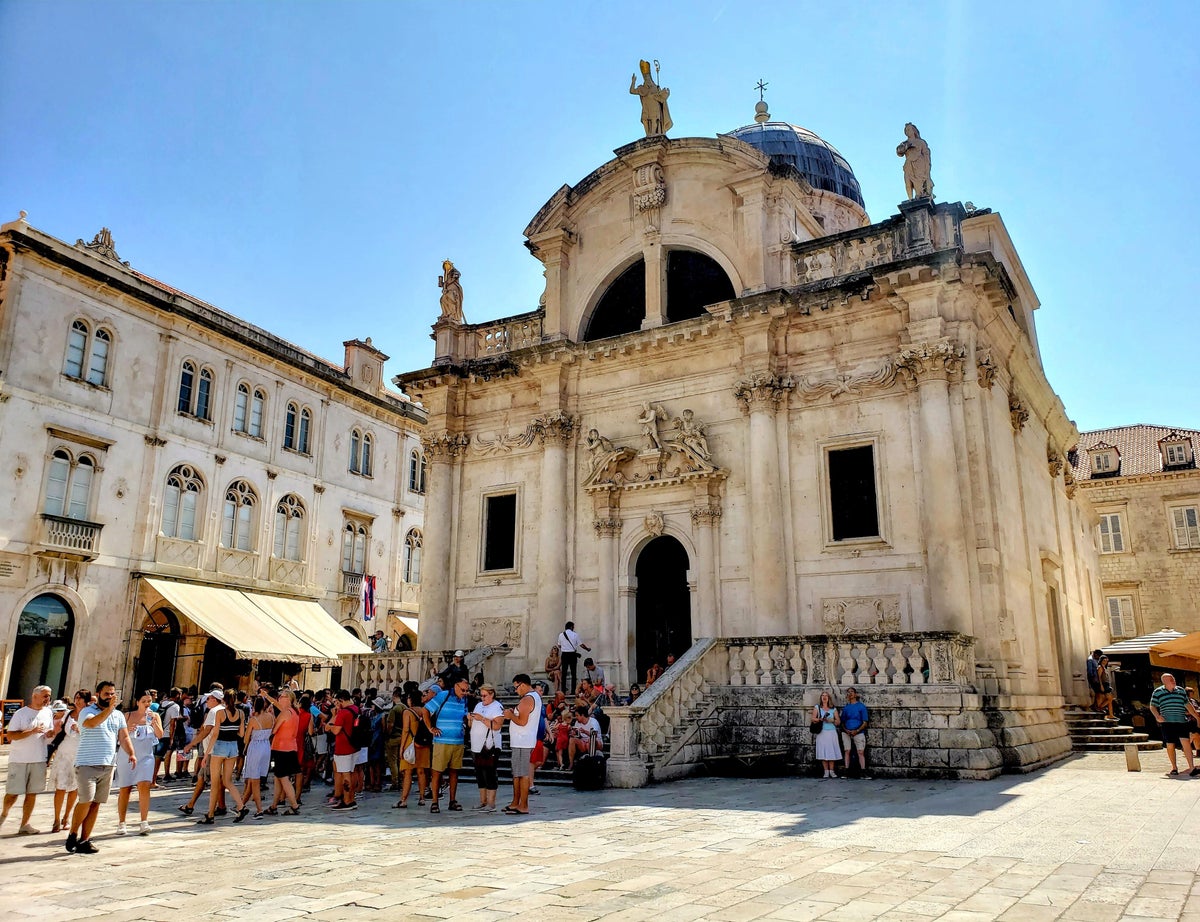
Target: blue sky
{"points": [[308, 166]]}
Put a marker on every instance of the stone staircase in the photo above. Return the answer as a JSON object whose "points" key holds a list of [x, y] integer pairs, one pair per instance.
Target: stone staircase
{"points": [[1091, 732]]}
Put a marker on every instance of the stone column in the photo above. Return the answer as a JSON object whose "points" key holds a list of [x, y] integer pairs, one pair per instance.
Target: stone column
{"points": [[437, 581], [706, 516], [930, 366], [554, 431], [760, 397], [608, 536]]}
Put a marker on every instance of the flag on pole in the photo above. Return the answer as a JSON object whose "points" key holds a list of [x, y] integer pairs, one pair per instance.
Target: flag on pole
{"points": [[368, 598]]}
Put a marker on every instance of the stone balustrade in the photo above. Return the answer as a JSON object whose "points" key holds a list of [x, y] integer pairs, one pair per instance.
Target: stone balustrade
{"points": [[70, 537], [385, 671], [508, 335]]}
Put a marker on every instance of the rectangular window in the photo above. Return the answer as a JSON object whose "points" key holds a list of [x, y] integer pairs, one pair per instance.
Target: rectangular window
{"points": [[1120, 616], [256, 415], [1185, 521], [1112, 535], [853, 504], [1176, 454], [500, 532]]}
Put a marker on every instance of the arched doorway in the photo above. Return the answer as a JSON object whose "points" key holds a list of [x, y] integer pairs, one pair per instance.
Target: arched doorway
{"points": [[156, 662], [664, 606], [42, 646]]}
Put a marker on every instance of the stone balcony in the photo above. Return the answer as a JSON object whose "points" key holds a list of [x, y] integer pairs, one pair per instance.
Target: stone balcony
{"points": [[175, 552], [73, 539], [352, 584]]}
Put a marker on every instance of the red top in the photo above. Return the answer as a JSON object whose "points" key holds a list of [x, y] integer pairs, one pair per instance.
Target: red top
{"points": [[284, 737], [344, 718]]}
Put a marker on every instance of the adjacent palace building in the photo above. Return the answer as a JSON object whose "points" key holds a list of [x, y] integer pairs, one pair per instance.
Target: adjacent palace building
{"points": [[187, 497]]}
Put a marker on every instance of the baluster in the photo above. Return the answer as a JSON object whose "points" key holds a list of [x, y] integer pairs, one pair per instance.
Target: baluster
{"points": [[846, 661], [798, 664], [898, 660], [862, 664], [916, 659], [879, 663], [735, 666], [764, 664]]}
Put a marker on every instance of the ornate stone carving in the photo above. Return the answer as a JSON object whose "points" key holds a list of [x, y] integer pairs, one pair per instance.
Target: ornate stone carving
{"points": [[652, 414], [941, 358], [602, 452], [1054, 461], [706, 516], [154, 441], [607, 527], [445, 446], [656, 117], [876, 375], [692, 435], [917, 162], [555, 427], [862, 614], [654, 524], [762, 391], [649, 187], [685, 456], [102, 246], [1018, 415], [452, 293], [1069, 482], [986, 368], [496, 632]]}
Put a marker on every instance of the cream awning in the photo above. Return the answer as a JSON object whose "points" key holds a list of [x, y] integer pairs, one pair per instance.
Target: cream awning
{"points": [[257, 626], [410, 623]]}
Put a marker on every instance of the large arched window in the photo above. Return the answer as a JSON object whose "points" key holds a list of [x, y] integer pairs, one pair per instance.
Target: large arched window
{"points": [[257, 401], [187, 387], [237, 518], [195, 391], [289, 528], [87, 351], [181, 503], [291, 420], [69, 485], [416, 471], [693, 281], [412, 556], [354, 547], [362, 451], [98, 365], [42, 648], [76, 349]]}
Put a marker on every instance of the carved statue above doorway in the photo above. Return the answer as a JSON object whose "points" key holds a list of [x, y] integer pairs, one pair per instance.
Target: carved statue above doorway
{"points": [[681, 454]]}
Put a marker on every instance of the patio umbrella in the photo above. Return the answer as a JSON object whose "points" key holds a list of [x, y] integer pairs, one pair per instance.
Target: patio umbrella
{"points": [[1181, 653]]}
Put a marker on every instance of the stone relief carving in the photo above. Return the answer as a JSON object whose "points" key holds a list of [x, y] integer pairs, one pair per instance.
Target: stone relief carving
{"points": [[707, 515], [1069, 482], [1054, 461], [986, 368], [762, 390], [844, 258], [649, 187], [917, 163], [452, 293], [685, 454], [655, 524], [1017, 412], [938, 359], [880, 374], [102, 246], [556, 427], [496, 632], [608, 527], [862, 614], [445, 446]]}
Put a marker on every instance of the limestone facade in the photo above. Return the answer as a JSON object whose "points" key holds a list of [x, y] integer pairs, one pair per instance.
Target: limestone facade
{"points": [[131, 412], [1144, 486], [872, 444]]}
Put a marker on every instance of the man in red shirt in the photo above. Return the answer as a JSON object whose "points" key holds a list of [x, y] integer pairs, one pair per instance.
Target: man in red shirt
{"points": [[342, 726]]}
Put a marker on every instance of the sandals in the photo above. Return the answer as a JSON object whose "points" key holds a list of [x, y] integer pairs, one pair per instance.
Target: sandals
{"points": [[435, 809], [292, 811], [509, 811], [271, 811], [399, 805], [206, 821], [455, 806], [185, 809]]}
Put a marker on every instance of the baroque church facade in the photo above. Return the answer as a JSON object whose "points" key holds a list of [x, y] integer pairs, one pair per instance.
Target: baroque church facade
{"points": [[750, 428], [188, 497]]}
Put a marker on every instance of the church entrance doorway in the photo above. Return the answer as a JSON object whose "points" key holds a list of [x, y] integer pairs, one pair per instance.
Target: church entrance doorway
{"points": [[663, 622], [156, 662]]}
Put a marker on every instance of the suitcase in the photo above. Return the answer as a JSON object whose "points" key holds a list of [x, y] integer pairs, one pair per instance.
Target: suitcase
{"points": [[591, 771]]}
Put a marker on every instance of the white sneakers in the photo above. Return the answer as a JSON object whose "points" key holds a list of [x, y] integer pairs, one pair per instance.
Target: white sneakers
{"points": [[144, 828], [121, 830]]}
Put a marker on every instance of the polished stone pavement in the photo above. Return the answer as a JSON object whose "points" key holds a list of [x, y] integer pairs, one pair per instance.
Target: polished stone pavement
{"points": [[1084, 840]]}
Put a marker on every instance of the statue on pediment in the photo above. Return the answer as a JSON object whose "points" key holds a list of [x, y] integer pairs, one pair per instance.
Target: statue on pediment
{"points": [[652, 414], [917, 163], [452, 293], [691, 435], [656, 117]]}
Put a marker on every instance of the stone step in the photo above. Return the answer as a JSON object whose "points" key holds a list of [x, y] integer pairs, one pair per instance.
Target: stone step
{"points": [[1144, 746], [1111, 738]]}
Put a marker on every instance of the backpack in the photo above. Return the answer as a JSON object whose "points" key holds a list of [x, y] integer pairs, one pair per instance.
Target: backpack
{"points": [[178, 733], [197, 717], [360, 734]]}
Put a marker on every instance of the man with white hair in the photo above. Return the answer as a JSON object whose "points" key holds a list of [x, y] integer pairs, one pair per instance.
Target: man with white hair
{"points": [[30, 729]]}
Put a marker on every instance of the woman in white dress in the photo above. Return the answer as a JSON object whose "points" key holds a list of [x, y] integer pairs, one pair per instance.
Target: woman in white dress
{"points": [[829, 752], [62, 769], [258, 753], [145, 730]]}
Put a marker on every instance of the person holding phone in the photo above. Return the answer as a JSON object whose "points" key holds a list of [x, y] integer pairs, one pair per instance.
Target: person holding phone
{"points": [[101, 730]]}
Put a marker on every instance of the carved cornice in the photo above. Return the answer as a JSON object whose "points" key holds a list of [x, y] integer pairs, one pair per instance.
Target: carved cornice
{"points": [[986, 368], [941, 360], [1017, 413], [706, 516], [878, 375], [445, 446], [607, 528], [762, 391]]}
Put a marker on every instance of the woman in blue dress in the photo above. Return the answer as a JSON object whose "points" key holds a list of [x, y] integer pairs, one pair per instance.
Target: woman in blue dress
{"points": [[258, 753], [145, 730]]}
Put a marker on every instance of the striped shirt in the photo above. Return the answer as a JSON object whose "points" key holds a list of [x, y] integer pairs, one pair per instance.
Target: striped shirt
{"points": [[1171, 704], [98, 745], [451, 711]]}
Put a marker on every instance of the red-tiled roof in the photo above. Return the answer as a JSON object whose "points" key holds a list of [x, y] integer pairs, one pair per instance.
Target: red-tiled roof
{"points": [[1138, 447]]}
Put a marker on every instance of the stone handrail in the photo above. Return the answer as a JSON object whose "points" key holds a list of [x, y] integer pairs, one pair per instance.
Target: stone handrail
{"points": [[387, 670], [508, 335], [71, 534]]}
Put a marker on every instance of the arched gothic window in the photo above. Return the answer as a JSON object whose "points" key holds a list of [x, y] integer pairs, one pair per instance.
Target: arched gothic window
{"points": [[355, 442], [289, 528], [416, 471], [195, 391], [237, 519], [412, 556], [354, 547], [181, 503], [84, 345], [69, 485], [290, 422]]}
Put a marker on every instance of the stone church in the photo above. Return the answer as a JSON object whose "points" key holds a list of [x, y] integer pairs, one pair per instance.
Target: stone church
{"points": [[795, 448]]}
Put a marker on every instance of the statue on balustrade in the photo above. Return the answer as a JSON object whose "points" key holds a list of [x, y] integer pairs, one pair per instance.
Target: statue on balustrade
{"points": [[452, 293], [915, 152]]}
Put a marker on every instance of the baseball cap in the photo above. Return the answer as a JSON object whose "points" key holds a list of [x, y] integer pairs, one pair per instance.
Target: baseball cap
{"points": [[215, 693], [59, 707], [459, 653]]}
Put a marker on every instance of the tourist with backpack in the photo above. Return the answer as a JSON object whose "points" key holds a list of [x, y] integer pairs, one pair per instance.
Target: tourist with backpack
{"points": [[344, 752]]}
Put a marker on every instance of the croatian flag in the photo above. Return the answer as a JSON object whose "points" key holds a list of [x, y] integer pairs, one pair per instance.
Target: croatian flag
{"points": [[368, 598]]}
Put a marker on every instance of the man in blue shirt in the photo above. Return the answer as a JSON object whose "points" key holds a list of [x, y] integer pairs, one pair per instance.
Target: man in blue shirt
{"points": [[854, 730], [101, 730], [449, 712]]}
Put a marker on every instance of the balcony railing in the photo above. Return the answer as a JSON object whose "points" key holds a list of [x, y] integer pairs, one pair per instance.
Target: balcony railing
{"points": [[352, 584], [74, 538], [508, 335]]}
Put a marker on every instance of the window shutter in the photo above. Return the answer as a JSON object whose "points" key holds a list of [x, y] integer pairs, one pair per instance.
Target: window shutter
{"points": [[1118, 540], [1120, 616]]}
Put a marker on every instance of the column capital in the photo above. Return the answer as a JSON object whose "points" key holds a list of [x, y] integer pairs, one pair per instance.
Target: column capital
{"points": [[555, 428], [607, 527], [706, 515], [940, 359], [445, 446], [762, 391]]}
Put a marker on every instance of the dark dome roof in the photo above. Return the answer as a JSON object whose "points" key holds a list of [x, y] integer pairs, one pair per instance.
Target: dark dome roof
{"points": [[816, 158]]}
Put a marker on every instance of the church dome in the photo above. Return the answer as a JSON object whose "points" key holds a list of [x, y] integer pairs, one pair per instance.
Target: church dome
{"points": [[815, 158]]}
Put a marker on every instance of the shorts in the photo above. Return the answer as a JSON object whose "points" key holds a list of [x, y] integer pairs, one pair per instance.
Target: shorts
{"points": [[344, 764], [287, 763], [859, 742], [360, 757], [521, 764], [447, 756], [1172, 733], [224, 749], [25, 778], [93, 782]]}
